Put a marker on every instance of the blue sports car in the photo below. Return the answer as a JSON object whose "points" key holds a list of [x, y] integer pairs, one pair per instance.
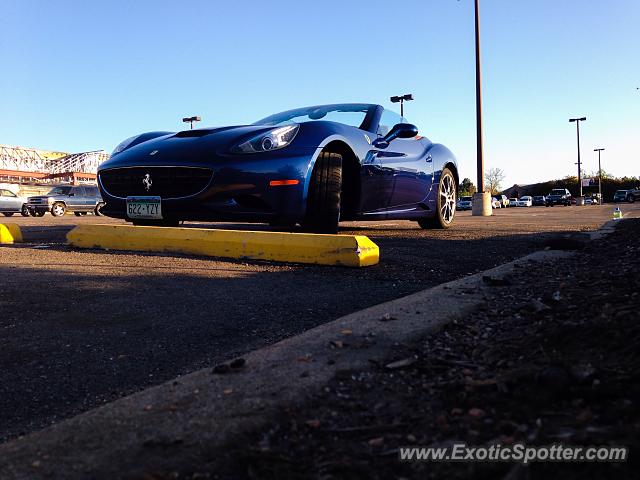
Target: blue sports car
{"points": [[314, 166]]}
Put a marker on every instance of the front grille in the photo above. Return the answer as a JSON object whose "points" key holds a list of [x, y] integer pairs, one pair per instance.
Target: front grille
{"points": [[165, 182]]}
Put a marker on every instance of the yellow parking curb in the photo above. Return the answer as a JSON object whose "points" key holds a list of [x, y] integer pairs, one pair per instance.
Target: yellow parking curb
{"points": [[9, 233], [346, 250]]}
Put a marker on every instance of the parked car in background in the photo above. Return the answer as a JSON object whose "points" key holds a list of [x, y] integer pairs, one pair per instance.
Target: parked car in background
{"points": [[626, 195], [77, 199], [504, 200], [538, 200], [558, 196], [10, 203], [525, 201], [513, 202], [465, 203], [495, 203]]}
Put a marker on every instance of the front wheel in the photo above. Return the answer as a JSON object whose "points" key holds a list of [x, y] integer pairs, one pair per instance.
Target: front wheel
{"points": [[323, 202], [445, 203], [8, 214], [25, 211], [631, 199], [58, 209]]}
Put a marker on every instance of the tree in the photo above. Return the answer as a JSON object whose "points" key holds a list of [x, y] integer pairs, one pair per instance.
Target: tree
{"points": [[466, 188], [493, 179]]}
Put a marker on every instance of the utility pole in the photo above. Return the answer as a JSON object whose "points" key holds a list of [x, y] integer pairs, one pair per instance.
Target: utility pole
{"points": [[599, 173], [578, 120]]}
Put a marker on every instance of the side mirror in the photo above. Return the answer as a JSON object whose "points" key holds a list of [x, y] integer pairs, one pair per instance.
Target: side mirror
{"points": [[400, 130]]}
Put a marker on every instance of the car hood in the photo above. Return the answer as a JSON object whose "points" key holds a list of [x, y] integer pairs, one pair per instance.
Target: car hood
{"points": [[189, 146]]}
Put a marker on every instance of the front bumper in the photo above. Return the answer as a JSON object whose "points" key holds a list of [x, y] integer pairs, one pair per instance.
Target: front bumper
{"points": [[241, 189]]}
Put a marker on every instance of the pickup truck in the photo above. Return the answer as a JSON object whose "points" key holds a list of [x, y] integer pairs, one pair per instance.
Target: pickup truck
{"points": [[558, 196]]}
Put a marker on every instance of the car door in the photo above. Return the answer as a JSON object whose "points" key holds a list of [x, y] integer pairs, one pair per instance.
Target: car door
{"points": [[9, 201], [408, 162], [77, 201]]}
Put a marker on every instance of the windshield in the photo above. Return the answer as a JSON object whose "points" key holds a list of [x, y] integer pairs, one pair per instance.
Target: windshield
{"points": [[557, 192], [60, 191], [465, 199], [352, 114], [621, 191]]}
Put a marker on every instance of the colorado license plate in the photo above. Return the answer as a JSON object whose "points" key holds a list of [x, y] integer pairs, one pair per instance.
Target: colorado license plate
{"points": [[144, 207]]}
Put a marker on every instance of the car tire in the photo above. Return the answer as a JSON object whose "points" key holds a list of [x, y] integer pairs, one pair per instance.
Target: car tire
{"points": [[77, 214], [24, 211], [39, 214], [631, 199], [98, 210], [58, 209], [323, 200], [8, 214], [445, 203]]}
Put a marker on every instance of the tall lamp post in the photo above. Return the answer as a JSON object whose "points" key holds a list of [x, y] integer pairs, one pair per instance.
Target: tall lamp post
{"points": [[191, 120], [599, 173], [481, 200], [401, 99], [578, 120]]}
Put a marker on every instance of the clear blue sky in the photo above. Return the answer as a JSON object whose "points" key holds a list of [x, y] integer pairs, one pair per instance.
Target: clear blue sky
{"points": [[83, 75]]}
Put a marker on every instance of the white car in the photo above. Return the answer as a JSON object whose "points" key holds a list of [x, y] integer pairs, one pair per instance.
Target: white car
{"points": [[495, 203], [11, 203], [513, 202], [525, 201]]}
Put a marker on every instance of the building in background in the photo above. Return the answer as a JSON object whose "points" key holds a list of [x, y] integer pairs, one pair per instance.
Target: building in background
{"points": [[32, 166]]}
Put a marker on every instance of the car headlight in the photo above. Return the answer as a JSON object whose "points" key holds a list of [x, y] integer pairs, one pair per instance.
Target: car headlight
{"points": [[266, 141], [123, 145]]}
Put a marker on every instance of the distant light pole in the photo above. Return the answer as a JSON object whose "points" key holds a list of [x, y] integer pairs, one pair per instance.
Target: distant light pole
{"points": [[401, 99], [599, 172], [578, 120], [191, 120]]}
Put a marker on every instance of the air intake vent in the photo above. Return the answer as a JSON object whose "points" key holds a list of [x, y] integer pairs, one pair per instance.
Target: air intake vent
{"points": [[193, 133]]}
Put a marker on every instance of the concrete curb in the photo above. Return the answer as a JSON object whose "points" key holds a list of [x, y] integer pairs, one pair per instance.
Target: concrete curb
{"points": [[10, 233], [344, 250], [182, 419]]}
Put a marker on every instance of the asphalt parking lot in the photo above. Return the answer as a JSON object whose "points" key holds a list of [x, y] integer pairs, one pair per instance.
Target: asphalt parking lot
{"points": [[81, 328]]}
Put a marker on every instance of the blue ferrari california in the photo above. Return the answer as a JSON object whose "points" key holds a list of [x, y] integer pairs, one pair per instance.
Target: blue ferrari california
{"points": [[313, 166]]}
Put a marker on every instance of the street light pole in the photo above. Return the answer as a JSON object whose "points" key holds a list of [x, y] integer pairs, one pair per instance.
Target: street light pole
{"points": [[578, 120], [479, 143], [402, 98], [190, 120], [599, 173], [481, 200]]}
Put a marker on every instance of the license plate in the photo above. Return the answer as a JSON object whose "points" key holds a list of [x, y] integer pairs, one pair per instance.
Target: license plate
{"points": [[144, 207]]}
